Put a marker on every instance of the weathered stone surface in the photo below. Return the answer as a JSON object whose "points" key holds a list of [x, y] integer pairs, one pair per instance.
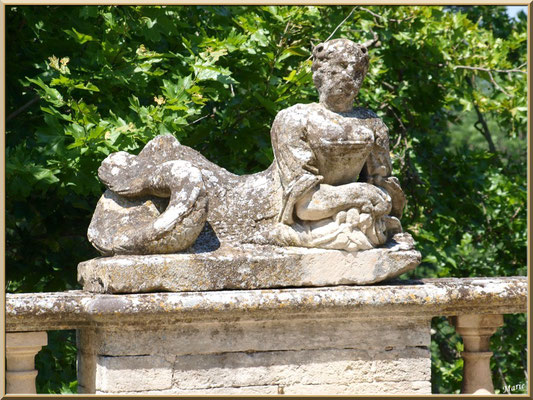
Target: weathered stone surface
{"points": [[329, 187], [136, 373], [20, 351], [246, 267], [239, 208], [398, 299], [373, 388], [270, 356], [381, 388], [128, 227], [327, 371], [306, 367], [236, 336], [374, 337], [227, 391], [476, 331]]}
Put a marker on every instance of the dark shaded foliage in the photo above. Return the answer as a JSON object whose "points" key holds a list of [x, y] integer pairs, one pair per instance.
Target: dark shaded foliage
{"points": [[84, 81]]}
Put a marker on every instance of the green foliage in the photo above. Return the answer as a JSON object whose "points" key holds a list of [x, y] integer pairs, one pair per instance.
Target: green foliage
{"points": [[55, 364], [85, 81], [510, 344], [446, 362]]}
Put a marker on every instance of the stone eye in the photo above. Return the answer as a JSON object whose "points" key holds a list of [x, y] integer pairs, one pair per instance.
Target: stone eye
{"points": [[318, 52]]}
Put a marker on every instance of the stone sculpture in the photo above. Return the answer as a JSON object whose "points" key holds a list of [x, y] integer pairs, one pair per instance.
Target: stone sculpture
{"points": [[330, 186]]}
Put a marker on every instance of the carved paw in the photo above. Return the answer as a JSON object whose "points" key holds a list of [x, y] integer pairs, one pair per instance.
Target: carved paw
{"points": [[378, 202]]}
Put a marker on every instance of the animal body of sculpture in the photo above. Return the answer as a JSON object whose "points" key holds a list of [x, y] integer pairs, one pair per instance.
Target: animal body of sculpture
{"points": [[330, 185]]}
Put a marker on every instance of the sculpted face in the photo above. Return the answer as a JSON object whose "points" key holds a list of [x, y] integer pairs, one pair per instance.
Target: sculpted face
{"points": [[339, 67]]}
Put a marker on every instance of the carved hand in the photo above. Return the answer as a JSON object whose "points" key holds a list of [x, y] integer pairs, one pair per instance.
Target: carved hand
{"points": [[391, 185]]}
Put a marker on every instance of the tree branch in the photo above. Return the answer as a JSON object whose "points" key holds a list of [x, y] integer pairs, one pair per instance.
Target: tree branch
{"points": [[373, 13], [502, 377], [334, 30], [481, 124], [311, 55], [403, 129], [385, 18], [498, 86], [501, 71], [516, 213], [17, 112], [201, 118], [484, 129], [372, 42], [341, 24], [279, 50]]}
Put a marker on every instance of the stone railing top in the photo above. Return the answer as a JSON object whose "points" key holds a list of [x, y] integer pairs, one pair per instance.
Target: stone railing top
{"points": [[424, 298]]}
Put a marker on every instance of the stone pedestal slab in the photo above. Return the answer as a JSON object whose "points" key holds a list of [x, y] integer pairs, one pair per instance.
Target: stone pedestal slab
{"points": [[246, 267]]}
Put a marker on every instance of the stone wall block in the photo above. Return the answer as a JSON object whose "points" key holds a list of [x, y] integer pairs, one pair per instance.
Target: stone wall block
{"points": [[410, 364], [332, 355], [268, 368], [307, 367], [228, 391], [136, 373], [86, 341], [361, 388], [207, 338]]}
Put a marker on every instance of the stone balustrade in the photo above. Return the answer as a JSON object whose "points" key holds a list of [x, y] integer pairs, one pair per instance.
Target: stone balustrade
{"points": [[390, 323], [21, 348]]}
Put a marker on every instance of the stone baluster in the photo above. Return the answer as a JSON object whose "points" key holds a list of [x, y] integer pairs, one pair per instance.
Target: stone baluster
{"points": [[21, 348], [476, 331]]}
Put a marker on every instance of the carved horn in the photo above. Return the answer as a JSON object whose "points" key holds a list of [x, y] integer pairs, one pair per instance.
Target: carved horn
{"points": [[372, 42]]}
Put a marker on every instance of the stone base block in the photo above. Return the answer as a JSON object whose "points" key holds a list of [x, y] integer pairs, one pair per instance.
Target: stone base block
{"points": [[246, 267], [293, 356]]}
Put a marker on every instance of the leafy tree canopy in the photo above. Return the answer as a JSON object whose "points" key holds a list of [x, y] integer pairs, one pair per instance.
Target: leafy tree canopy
{"points": [[85, 81]]}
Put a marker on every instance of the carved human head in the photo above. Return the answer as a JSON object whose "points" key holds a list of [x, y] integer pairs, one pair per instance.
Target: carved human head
{"points": [[339, 67]]}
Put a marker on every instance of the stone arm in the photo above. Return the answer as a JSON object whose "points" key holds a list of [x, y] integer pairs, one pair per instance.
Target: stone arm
{"points": [[379, 169], [295, 160]]}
